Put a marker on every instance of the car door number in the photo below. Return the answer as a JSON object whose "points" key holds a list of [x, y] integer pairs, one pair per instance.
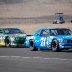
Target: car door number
{"points": [[43, 41]]}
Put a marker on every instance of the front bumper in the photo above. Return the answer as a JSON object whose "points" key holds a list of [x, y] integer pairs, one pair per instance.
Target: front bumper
{"points": [[16, 45], [66, 45], [18, 40]]}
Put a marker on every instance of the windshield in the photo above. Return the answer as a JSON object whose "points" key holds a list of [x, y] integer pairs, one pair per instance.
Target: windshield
{"points": [[60, 32], [13, 31]]}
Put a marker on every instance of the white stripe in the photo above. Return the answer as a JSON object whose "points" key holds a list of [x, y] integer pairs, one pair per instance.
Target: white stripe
{"points": [[52, 58], [15, 56], [36, 57], [26, 57], [63, 59], [4, 56]]}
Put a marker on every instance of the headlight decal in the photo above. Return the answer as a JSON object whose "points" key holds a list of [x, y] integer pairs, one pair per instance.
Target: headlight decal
{"points": [[65, 41], [12, 39], [60, 40]]}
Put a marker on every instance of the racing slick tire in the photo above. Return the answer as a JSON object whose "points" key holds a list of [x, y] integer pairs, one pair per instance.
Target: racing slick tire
{"points": [[55, 46], [33, 47], [8, 42]]}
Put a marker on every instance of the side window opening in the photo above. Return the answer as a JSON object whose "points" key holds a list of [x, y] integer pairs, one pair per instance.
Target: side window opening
{"points": [[45, 33], [54, 32]]}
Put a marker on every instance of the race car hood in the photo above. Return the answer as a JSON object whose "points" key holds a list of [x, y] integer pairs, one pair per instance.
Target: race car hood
{"points": [[17, 35]]}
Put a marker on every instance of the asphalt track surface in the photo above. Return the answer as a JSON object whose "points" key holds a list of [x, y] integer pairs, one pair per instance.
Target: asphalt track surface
{"points": [[25, 60]]}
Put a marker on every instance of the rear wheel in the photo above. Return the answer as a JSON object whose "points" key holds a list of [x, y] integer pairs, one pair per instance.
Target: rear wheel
{"points": [[55, 46], [33, 47]]}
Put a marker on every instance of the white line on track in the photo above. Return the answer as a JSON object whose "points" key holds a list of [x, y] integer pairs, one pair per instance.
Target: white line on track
{"points": [[63, 59]]}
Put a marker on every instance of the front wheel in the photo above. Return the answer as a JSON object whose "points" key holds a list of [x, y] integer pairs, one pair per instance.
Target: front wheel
{"points": [[8, 42], [55, 46]]}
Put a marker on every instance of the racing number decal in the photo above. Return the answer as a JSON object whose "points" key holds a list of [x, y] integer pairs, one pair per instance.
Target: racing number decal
{"points": [[43, 41]]}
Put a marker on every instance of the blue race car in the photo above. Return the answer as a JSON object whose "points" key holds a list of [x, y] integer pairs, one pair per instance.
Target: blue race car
{"points": [[55, 39]]}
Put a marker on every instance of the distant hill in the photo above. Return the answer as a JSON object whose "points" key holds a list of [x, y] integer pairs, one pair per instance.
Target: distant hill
{"points": [[34, 8]]}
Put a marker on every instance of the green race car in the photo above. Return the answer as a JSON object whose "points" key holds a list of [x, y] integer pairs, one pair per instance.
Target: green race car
{"points": [[12, 37]]}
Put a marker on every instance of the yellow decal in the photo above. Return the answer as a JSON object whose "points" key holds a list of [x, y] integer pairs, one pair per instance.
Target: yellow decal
{"points": [[2, 43]]}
